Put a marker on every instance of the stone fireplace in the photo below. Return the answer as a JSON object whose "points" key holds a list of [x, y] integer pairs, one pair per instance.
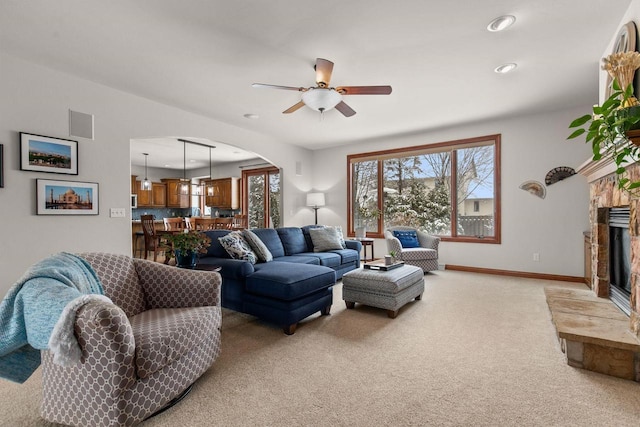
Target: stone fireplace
{"points": [[596, 332], [604, 195]]}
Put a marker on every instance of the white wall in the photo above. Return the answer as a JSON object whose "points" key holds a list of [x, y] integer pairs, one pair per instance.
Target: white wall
{"points": [[36, 99], [531, 146], [633, 14]]}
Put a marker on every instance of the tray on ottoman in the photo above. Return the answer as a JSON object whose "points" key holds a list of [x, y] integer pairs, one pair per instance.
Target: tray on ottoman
{"points": [[380, 265], [389, 290]]}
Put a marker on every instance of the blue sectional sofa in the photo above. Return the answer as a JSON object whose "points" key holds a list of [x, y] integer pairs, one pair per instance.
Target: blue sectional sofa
{"points": [[297, 283]]}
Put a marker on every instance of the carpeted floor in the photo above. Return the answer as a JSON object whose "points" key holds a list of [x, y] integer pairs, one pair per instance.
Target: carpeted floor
{"points": [[477, 350]]}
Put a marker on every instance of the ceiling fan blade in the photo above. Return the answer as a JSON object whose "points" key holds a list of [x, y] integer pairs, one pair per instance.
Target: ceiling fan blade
{"points": [[364, 90], [324, 68], [293, 108], [345, 109], [262, 85]]}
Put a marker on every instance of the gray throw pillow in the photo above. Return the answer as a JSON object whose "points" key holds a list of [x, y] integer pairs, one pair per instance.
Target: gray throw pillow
{"points": [[262, 252], [237, 247], [340, 234], [325, 239]]}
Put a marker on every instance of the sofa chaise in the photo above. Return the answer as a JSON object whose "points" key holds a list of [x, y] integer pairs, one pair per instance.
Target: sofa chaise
{"points": [[295, 284]]}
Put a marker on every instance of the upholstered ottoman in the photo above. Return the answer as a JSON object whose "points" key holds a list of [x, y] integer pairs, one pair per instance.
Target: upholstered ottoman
{"points": [[383, 289]]}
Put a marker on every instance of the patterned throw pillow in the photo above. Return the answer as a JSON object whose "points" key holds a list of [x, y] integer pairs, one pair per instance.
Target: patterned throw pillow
{"points": [[262, 252], [325, 239], [237, 247], [340, 234], [408, 239]]}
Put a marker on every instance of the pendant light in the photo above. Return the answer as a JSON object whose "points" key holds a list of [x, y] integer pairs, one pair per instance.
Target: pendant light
{"points": [[146, 184], [210, 182], [183, 187]]}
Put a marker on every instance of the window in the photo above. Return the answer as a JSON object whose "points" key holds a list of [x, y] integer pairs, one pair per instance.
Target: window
{"points": [[450, 189], [262, 197]]}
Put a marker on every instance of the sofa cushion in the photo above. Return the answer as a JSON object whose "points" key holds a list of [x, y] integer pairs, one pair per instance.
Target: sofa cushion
{"points": [[164, 335], [347, 255], [292, 240], [325, 239], [216, 249], [300, 258], [271, 239], [237, 247], [328, 259], [408, 239], [260, 249], [289, 281]]}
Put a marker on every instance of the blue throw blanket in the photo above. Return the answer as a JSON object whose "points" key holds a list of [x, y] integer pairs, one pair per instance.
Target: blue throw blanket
{"points": [[32, 307]]}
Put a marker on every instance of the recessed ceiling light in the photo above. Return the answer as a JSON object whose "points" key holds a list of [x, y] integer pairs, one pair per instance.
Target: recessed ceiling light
{"points": [[506, 68], [501, 23], [251, 116]]}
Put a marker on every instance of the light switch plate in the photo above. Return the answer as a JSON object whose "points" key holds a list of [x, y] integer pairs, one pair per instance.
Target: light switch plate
{"points": [[118, 213]]}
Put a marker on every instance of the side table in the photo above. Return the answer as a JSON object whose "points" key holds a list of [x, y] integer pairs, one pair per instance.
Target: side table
{"points": [[366, 242]]}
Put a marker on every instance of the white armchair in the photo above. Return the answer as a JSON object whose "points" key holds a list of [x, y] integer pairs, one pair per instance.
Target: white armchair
{"points": [[425, 256]]}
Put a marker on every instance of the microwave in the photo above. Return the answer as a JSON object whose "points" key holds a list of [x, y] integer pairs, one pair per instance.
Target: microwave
{"points": [[134, 201]]}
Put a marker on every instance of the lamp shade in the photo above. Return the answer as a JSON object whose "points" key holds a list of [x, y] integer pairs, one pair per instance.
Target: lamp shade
{"points": [[315, 199], [321, 99]]}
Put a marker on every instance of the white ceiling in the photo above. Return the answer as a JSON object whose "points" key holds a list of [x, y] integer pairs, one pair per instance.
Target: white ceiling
{"points": [[170, 153], [203, 56]]}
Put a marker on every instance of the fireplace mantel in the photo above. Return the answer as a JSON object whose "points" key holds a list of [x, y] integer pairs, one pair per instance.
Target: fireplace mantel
{"points": [[595, 170]]}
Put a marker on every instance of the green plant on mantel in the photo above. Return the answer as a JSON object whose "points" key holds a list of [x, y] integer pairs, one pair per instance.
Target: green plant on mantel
{"points": [[607, 129]]}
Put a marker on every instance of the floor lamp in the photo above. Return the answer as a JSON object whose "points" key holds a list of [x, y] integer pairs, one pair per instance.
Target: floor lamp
{"points": [[315, 200]]}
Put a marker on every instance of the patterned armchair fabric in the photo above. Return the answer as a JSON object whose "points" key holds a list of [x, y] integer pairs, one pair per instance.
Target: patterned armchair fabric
{"points": [[159, 336], [425, 257]]}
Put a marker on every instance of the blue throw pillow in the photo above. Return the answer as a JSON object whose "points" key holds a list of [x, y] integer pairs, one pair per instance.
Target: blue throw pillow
{"points": [[408, 239]]}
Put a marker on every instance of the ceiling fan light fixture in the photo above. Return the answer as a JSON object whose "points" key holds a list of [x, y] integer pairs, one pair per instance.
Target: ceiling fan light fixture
{"points": [[321, 99], [501, 23]]}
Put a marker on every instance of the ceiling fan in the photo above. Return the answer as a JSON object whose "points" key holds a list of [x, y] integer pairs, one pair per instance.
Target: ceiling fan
{"points": [[322, 97]]}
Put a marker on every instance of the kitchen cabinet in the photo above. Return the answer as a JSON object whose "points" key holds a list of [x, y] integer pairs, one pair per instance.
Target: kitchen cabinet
{"points": [[226, 193], [158, 195], [175, 200], [135, 184], [156, 198]]}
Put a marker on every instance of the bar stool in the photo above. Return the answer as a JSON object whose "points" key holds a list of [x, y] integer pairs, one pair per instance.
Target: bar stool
{"points": [[136, 244]]}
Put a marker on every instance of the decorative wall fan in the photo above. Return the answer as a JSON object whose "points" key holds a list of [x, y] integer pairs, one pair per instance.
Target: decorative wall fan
{"points": [[322, 97], [558, 174], [534, 187]]}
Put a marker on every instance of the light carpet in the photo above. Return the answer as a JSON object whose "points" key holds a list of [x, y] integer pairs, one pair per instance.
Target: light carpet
{"points": [[476, 350]]}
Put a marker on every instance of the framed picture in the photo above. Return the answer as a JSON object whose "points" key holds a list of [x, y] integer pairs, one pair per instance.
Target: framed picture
{"points": [[1, 165], [46, 154], [66, 197]]}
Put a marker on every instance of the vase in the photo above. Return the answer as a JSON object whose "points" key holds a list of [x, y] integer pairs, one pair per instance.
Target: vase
{"points": [[186, 259]]}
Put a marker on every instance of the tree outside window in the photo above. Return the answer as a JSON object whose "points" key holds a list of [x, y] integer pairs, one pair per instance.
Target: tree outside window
{"points": [[413, 187], [262, 197]]}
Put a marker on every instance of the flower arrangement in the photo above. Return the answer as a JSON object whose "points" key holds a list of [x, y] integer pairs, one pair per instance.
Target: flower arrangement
{"points": [[622, 67], [193, 241], [607, 127]]}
